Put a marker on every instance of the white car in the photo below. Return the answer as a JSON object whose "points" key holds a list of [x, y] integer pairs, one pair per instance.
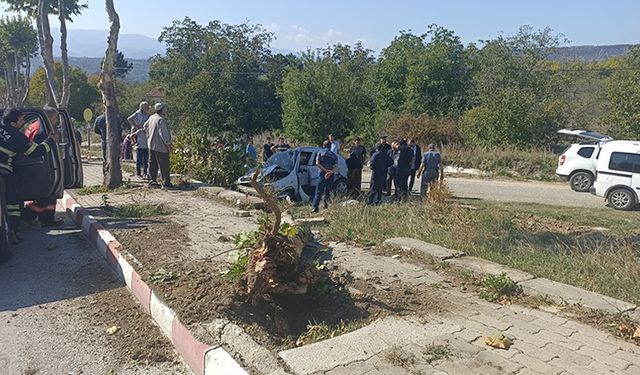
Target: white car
{"points": [[577, 163], [618, 174], [294, 174]]}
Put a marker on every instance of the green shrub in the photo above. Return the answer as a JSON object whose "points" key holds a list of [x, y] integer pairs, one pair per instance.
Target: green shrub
{"points": [[495, 288], [203, 159]]}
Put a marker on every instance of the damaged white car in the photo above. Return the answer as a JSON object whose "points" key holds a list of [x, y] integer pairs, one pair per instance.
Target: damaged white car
{"points": [[294, 174]]}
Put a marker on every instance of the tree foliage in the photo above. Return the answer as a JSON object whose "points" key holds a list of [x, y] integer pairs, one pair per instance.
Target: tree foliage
{"points": [[122, 66], [84, 92], [624, 94], [329, 95], [220, 77], [517, 97], [18, 43]]}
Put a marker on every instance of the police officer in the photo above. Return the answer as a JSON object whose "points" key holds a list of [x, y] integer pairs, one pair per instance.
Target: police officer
{"points": [[379, 162], [327, 161], [429, 169], [12, 143]]}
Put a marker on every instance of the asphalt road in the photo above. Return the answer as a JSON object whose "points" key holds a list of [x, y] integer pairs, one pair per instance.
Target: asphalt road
{"points": [[557, 194], [49, 324]]}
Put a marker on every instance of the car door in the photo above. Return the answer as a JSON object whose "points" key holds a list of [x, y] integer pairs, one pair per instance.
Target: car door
{"points": [[70, 150], [39, 177]]}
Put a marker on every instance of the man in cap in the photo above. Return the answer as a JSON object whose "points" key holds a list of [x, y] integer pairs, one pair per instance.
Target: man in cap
{"points": [[159, 138], [429, 169], [379, 162]]}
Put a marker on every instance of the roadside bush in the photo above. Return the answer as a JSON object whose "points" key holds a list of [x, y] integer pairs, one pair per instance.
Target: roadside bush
{"points": [[503, 161], [201, 158], [423, 128]]}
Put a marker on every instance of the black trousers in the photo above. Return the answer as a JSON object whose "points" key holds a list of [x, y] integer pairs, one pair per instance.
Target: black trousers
{"points": [[11, 198], [376, 186], [400, 180], [159, 160], [391, 172], [354, 181], [412, 178]]}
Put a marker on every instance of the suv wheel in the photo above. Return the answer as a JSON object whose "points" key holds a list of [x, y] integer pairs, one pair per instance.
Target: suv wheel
{"points": [[581, 181], [621, 199]]}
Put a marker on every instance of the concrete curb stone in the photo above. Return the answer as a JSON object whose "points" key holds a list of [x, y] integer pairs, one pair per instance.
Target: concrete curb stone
{"points": [[483, 266], [202, 359], [434, 251]]}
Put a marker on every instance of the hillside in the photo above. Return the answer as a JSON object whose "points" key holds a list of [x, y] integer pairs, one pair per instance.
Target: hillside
{"points": [[91, 65], [590, 53]]}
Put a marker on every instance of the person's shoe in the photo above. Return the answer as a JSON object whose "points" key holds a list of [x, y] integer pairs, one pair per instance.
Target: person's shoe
{"points": [[15, 237], [52, 223], [315, 210], [146, 177], [167, 186], [326, 205], [153, 183]]}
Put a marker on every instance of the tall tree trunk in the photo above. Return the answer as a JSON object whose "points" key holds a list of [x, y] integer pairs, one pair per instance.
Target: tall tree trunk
{"points": [[112, 171], [26, 83], [46, 50], [11, 79], [66, 83]]}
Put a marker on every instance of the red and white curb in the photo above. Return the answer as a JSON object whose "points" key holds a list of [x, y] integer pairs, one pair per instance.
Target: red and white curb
{"points": [[203, 359]]}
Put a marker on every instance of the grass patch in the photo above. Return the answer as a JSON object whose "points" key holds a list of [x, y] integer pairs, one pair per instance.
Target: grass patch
{"points": [[436, 352], [322, 331], [601, 261], [128, 168], [495, 288], [93, 189], [137, 210], [163, 276]]}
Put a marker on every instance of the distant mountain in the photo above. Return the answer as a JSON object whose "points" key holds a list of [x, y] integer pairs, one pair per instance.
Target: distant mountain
{"points": [[91, 65], [590, 53], [93, 43]]}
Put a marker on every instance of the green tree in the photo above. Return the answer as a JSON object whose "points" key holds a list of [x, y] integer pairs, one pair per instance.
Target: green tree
{"points": [[217, 79], [18, 44], [84, 93], [122, 66], [623, 92], [518, 97], [426, 73], [329, 94]]}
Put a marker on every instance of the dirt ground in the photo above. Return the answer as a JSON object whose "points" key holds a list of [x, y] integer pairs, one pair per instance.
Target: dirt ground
{"points": [[199, 293]]}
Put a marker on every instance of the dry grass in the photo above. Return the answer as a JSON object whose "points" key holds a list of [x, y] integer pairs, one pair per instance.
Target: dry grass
{"points": [[601, 261]]}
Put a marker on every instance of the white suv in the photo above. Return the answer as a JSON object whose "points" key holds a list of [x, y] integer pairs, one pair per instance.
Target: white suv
{"points": [[618, 174], [577, 162]]}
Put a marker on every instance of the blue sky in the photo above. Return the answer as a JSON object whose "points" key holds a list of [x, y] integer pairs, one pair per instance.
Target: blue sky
{"points": [[301, 24]]}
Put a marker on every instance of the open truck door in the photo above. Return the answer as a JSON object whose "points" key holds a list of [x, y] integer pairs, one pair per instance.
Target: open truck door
{"points": [[70, 150]]}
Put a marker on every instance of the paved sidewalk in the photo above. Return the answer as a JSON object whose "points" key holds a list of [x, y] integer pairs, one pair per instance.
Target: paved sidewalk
{"points": [[544, 342]]}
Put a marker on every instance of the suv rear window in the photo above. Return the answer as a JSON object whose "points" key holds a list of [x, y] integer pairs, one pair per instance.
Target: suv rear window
{"points": [[622, 161], [586, 152]]}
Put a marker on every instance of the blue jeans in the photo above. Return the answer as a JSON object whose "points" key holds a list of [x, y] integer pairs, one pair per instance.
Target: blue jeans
{"points": [[324, 187], [142, 161]]}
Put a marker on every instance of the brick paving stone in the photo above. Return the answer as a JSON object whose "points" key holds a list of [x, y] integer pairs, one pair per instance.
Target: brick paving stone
{"points": [[536, 364], [594, 344], [468, 335], [555, 328], [604, 358], [507, 354], [569, 357], [489, 358], [578, 370], [490, 321], [631, 357], [526, 325], [602, 369]]}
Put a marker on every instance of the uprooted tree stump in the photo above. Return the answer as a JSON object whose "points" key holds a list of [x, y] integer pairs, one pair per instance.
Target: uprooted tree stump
{"points": [[275, 266]]}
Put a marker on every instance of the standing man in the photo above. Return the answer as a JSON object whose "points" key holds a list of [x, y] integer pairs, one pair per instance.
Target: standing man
{"points": [[12, 143], [403, 170], [391, 171], [44, 209], [137, 120], [266, 149], [282, 146], [429, 169], [417, 159], [100, 128], [379, 162], [335, 144], [251, 150], [385, 146], [327, 161], [355, 162], [159, 137]]}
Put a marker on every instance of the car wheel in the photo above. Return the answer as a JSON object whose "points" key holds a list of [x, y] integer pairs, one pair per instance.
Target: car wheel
{"points": [[621, 199], [581, 181], [340, 187]]}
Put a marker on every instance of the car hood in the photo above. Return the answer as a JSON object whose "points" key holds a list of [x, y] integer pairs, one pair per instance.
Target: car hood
{"points": [[586, 134]]}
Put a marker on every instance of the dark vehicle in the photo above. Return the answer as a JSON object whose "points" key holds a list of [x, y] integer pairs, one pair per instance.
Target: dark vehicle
{"points": [[44, 177]]}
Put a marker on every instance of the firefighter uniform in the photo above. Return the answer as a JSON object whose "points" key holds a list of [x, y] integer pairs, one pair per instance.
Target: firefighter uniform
{"points": [[13, 143]]}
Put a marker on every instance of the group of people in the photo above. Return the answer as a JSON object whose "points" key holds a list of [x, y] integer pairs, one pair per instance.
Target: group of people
{"points": [[152, 137], [16, 143]]}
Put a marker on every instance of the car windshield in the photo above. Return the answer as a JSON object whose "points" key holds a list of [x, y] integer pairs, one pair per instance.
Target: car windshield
{"points": [[284, 160]]}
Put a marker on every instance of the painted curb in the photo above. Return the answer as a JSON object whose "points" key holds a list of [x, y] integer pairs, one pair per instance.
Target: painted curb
{"points": [[202, 359]]}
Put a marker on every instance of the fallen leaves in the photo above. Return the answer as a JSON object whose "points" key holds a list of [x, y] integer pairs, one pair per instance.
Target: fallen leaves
{"points": [[113, 329], [498, 341]]}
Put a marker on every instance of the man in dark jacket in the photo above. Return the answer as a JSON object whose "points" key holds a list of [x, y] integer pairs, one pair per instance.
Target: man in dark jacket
{"points": [[357, 154], [13, 143], [417, 160], [327, 162], [403, 170], [379, 163]]}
